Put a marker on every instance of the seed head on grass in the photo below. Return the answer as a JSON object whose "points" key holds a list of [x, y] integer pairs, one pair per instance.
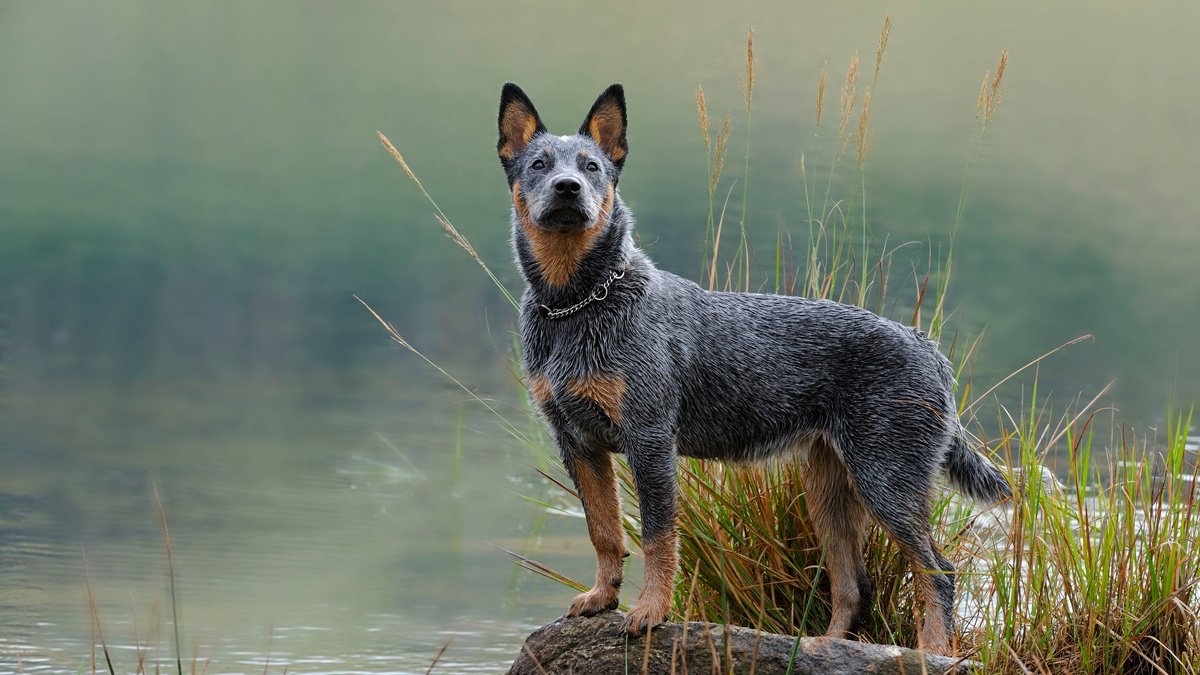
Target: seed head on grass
{"points": [[387, 144], [748, 90], [864, 115], [883, 42], [822, 80], [860, 136], [747, 82], [458, 238], [442, 219], [718, 165], [716, 155], [848, 98], [991, 91]]}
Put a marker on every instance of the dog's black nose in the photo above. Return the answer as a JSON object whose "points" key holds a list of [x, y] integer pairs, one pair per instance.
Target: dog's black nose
{"points": [[567, 187]]}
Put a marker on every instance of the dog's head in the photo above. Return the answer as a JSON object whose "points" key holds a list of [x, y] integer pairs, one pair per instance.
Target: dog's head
{"points": [[562, 183]]}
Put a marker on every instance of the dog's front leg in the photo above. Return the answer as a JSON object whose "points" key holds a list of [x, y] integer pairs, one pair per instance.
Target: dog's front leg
{"points": [[597, 486], [653, 465]]}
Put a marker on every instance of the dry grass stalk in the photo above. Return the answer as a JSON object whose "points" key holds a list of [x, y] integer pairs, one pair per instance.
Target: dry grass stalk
{"points": [[436, 658], [400, 160], [442, 219], [400, 340], [860, 136], [864, 116], [883, 42], [991, 91], [702, 111], [712, 268], [748, 82], [459, 239], [166, 535], [822, 80], [848, 98], [97, 626], [718, 161]]}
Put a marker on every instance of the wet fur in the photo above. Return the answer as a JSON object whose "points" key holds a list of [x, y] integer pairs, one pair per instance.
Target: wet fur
{"points": [[660, 367]]}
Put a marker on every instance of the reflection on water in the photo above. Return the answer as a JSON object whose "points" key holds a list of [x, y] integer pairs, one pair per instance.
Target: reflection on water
{"points": [[191, 193], [330, 537]]}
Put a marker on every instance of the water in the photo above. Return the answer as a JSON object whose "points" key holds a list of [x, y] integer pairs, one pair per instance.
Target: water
{"points": [[190, 193]]}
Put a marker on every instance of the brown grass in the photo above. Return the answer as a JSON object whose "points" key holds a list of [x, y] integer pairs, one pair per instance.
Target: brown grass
{"points": [[991, 91]]}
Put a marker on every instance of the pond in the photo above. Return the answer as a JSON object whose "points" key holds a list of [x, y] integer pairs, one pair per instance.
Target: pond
{"points": [[191, 195]]}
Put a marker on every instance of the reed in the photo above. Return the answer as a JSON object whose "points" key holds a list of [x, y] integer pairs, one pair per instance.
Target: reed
{"points": [[142, 650]]}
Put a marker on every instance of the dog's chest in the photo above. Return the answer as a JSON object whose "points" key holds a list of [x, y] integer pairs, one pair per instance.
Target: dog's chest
{"points": [[575, 373]]}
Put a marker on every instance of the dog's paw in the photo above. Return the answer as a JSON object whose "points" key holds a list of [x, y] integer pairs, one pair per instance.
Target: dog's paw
{"points": [[593, 602], [644, 616]]}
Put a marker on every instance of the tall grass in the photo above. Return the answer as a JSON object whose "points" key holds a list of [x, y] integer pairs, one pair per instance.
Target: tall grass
{"points": [[143, 650], [1097, 578]]}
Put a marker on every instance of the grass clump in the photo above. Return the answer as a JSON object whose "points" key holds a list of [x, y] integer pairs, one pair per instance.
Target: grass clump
{"points": [[1099, 577], [1102, 578]]}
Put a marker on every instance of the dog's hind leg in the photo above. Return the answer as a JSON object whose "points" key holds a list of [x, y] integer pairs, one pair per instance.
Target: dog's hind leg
{"points": [[897, 494], [839, 517], [597, 484]]}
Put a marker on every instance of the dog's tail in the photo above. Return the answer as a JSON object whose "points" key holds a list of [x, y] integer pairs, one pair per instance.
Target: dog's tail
{"points": [[974, 475]]}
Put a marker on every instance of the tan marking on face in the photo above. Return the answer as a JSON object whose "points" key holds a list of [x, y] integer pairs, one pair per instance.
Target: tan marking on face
{"points": [[597, 485], [519, 125], [606, 391], [558, 254]]}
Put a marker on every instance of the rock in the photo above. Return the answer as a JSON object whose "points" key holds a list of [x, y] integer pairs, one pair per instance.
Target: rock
{"points": [[597, 646]]}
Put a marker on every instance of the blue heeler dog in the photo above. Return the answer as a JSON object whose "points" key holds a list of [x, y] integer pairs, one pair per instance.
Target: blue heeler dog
{"points": [[622, 357]]}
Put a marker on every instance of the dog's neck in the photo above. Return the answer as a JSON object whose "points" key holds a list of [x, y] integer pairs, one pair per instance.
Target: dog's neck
{"points": [[608, 255]]}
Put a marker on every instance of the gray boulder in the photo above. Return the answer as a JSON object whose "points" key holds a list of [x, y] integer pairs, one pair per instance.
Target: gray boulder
{"points": [[597, 646]]}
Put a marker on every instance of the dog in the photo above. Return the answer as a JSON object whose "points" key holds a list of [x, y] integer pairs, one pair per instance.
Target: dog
{"points": [[621, 357]]}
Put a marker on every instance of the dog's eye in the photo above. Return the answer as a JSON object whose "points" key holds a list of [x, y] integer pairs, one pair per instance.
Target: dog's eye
{"points": [[537, 165], [593, 167]]}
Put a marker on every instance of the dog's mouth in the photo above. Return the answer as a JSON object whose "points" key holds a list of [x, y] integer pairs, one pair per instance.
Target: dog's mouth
{"points": [[564, 219]]}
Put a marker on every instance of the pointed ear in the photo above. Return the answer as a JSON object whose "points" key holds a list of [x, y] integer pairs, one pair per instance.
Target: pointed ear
{"points": [[518, 122], [605, 124]]}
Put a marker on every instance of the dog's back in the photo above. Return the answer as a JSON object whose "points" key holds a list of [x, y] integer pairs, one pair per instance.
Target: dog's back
{"points": [[762, 374]]}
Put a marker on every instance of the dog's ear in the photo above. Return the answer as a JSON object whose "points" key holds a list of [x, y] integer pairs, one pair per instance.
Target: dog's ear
{"points": [[518, 122], [605, 124]]}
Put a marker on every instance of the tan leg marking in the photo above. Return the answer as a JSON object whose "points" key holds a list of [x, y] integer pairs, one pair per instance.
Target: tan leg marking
{"points": [[934, 633], [606, 391], [558, 254], [840, 519], [602, 506], [654, 604]]}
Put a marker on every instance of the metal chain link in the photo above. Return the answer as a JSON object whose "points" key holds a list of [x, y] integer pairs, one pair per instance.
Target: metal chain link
{"points": [[600, 292]]}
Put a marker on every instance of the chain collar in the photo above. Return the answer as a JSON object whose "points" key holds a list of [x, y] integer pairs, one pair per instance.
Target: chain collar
{"points": [[598, 293]]}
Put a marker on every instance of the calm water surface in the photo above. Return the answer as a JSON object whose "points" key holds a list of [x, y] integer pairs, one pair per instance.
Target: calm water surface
{"points": [[191, 194]]}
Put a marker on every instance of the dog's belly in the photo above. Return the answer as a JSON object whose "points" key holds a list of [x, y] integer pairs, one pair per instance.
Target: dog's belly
{"points": [[740, 447]]}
